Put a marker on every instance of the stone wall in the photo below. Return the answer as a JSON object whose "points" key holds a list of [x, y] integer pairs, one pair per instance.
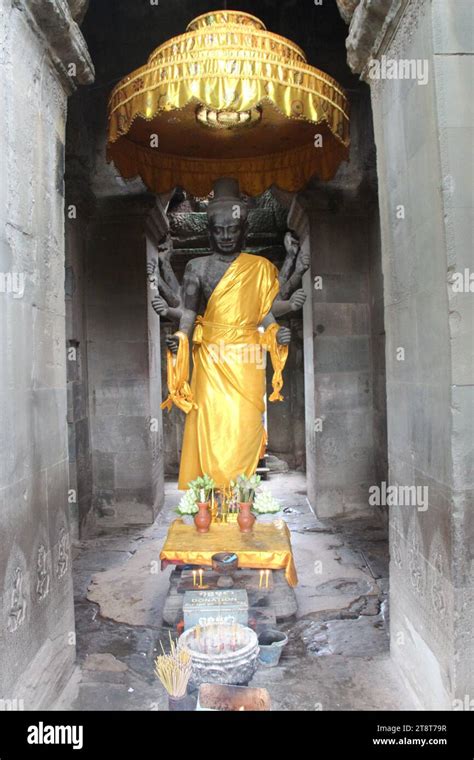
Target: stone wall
{"points": [[80, 458], [124, 378], [423, 137], [36, 606], [345, 419]]}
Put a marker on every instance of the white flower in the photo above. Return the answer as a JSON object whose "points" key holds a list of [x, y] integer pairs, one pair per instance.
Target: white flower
{"points": [[187, 505], [264, 502]]}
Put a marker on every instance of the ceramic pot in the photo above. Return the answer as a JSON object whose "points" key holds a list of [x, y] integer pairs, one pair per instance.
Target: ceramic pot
{"points": [[245, 518], [202, 519], [228, 666]]}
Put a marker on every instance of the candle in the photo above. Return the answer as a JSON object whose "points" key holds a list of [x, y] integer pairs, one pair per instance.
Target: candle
{"points": [[194, 578], [267, 578], [260, 583], [200, 577]]}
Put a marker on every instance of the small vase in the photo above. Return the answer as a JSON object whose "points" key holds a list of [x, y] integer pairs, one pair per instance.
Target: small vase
{"points": [[202, 519], [245, 518]]}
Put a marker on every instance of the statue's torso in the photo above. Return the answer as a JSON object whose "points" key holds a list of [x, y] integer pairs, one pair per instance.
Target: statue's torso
{"points": [[202, 277]]}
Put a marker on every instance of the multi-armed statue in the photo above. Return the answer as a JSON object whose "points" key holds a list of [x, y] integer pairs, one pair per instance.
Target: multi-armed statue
{"points": [[228, 304]]}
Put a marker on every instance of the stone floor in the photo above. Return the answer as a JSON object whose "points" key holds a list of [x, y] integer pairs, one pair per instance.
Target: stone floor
{"points": [[337, 655]]}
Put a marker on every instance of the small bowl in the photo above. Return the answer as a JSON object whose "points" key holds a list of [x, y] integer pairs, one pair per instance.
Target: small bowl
{"points": [[222, 567]]}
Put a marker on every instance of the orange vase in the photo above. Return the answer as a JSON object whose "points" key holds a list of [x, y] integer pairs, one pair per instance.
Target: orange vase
{"points": [[245, 518], [202, 519]]}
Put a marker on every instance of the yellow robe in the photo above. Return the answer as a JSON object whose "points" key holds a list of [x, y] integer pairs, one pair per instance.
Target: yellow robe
{"points": [[224, 433]]}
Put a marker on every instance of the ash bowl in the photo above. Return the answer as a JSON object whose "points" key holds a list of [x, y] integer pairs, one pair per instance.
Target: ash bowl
{"points": [[224, 654]]}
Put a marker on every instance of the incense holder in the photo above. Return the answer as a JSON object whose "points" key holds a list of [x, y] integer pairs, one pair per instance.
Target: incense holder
{"points": [[225, 654]]}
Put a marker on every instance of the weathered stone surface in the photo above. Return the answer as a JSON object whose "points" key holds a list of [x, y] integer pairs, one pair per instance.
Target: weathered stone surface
{"points": [[104, 662], [78, 9], [363, 637], [366, 24], [427, 408], [63, 36], [37, 617]]}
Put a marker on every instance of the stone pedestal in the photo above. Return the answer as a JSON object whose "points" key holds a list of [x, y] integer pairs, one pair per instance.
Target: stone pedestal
{"points": [[265, 606]]}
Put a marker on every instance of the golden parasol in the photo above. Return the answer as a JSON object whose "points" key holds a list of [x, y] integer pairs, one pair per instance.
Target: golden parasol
{"points": [[227, 98]]}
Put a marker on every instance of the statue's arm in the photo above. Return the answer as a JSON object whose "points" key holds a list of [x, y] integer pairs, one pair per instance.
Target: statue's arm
{"points": [[292, 283], [295, 302], [165, 250], [164, 307], [191, 296], [284, 273]]}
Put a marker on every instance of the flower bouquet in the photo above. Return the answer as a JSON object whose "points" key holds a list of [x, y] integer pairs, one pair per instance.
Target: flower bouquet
{"points": [[265, 503], [187, 505]]}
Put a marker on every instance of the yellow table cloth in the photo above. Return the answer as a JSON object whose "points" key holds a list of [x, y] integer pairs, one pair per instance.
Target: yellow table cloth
{"points": [[266, 547]]}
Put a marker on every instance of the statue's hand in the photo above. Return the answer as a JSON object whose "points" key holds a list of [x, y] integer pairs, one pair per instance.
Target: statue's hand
{"points": [[172, 341], [160, 306], [151, 268], [283, 336], [302, 263], [297, 299]]}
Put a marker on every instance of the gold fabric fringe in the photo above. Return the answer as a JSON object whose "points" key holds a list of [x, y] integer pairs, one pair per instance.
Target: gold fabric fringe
{"points": [[227, 65]]}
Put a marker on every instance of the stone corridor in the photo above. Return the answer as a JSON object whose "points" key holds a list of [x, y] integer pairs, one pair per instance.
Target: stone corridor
{"points": [[337, 657]]}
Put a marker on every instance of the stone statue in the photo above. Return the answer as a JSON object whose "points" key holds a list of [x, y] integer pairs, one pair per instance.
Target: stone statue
{"points": [[237, 294]]}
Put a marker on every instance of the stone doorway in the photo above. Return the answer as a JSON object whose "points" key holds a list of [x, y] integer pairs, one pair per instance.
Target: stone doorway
{"points": [[417, 187]]}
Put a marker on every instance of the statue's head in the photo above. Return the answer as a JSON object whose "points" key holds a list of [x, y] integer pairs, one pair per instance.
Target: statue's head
{"points": [[227, 214]]}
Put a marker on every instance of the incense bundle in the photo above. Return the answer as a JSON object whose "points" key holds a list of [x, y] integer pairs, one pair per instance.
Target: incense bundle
{"points": [[174, 670]]}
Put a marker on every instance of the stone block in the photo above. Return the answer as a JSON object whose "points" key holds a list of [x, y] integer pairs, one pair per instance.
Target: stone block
{"points": [[120, 434], [338, 288], [342, 499], [400, 320], [344, 448], [422, 176], [344, 354], [117, 361], [341, 319], [453, 79], [461, 324], [428, 407], [462, 444], [340, 244], [103, 464], [205, 607], [48, 408], [452, 27], [118, 324], [458, 166], [342, 391], [432, 330], [57, 493], [116, 397], [133, 469]]}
